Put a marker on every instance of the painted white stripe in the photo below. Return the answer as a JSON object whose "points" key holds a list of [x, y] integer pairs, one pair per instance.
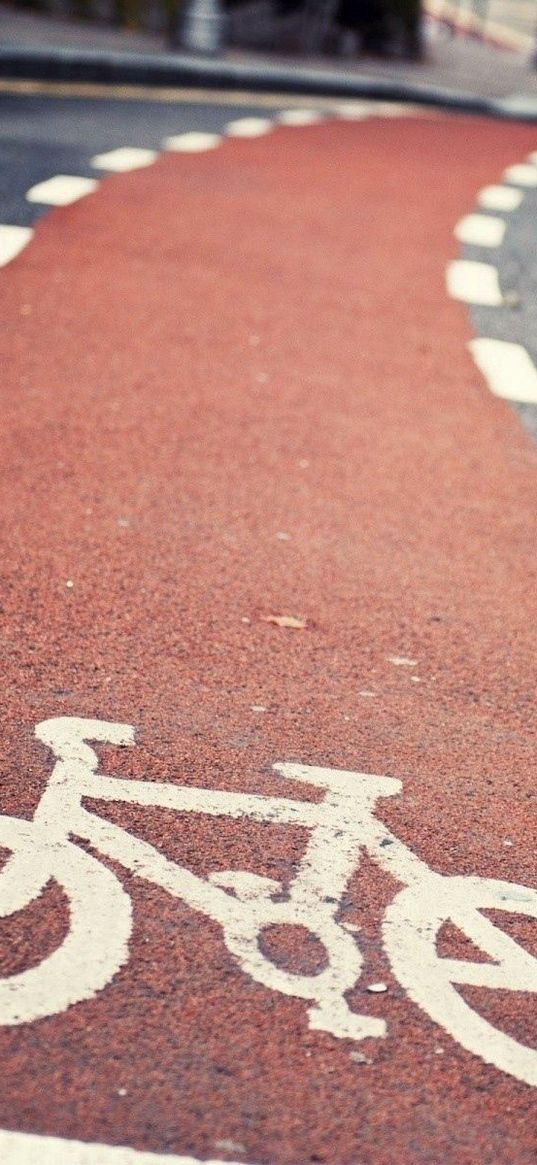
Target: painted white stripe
{"points": [[62, 190], [249, 127], [473, 283], [300, 117], [532, 158], [191, 143], [12, 241], [355, 110], [507, 368], [521, 175], [123, 159], [480, 230], [29, 1149], [499, 198]]}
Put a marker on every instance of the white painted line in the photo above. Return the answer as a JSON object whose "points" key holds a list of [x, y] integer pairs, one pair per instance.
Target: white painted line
{"points": [[191, 143], [123, 159], [397, 109], [507, 368], [300, 117], [29, 1149], [480, 230], [500, 198], [532, 158], [249, 127], [521, 175], [61, 190], [355, 110], [12, 241], [473, 283]]}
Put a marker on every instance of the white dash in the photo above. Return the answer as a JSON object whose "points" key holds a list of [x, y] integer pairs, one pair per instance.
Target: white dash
{"points": [[123, 159], [12, 241], [355, 110], [61, 190], [395, 109], [29, 1148], [500, 198], [480, 230], [300, 117], [191, 143], [521, 175], [507, 368], [248, 127], [473, 282]]}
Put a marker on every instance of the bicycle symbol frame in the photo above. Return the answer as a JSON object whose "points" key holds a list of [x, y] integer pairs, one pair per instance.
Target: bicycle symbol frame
{"points": [[341, 826]]}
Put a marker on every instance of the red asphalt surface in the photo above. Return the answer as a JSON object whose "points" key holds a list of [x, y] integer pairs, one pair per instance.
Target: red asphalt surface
{"points": [[204, 354]]}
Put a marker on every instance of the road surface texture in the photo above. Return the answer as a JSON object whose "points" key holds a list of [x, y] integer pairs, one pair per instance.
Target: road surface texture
{"points": [[259, 504]]}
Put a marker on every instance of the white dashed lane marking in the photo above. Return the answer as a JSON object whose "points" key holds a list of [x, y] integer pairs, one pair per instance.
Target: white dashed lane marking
{"points": [[475, 283], [191, 143], [507, 368], [124, 159], [354, 110], [521, 175], [299, 117], [500, 198], [12, 241], [249, 127], [480, 230], [62, 190]]}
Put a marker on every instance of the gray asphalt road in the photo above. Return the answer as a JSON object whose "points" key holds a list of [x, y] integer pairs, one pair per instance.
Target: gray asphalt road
{"points": [[516, 261]]}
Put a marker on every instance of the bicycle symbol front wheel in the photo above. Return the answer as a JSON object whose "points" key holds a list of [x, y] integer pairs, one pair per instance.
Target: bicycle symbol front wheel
{"points": [[96, 944], [411, 928]]}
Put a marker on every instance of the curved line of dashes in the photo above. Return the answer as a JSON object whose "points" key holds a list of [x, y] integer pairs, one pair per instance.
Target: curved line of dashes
{"points": [[64, 189], [508, 368]]}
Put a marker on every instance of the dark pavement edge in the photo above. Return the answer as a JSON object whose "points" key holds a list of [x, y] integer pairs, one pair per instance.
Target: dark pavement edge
{"points": [[181, 70]]}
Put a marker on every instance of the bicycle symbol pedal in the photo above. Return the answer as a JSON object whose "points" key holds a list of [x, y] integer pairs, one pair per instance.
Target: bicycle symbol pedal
{"points": [[340, 827]]}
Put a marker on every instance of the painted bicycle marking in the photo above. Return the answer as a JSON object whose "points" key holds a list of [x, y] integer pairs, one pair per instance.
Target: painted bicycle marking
{"points": [[340, 827]]}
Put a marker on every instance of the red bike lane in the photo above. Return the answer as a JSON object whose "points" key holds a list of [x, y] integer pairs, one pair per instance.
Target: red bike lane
{"points": [[236, 390]]}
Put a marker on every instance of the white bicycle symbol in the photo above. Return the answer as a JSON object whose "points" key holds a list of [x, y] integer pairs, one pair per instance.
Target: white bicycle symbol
{"points": [[340, 826]]}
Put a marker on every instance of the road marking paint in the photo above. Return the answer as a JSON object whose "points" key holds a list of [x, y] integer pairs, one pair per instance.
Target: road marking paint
{"points": [[123, 159], [30, 1148], [12, 241], [500, 198], [521, 175], [192, 96], [354, 110], [249, 127], [357, 110], [342, 825], [507, 368], [192, 142], [473, 282], [299, 117], [61, 190], [480, 230]]}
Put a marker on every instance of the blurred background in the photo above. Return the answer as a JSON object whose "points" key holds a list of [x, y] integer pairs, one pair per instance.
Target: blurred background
{"points": [[340, 29]]}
